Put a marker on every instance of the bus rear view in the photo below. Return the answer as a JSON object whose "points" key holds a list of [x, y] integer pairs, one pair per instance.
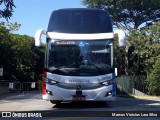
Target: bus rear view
{"points": [[79, 60]]}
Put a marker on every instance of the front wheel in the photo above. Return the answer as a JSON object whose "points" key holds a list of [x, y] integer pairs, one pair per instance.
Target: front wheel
{"points": [[55, 102]]}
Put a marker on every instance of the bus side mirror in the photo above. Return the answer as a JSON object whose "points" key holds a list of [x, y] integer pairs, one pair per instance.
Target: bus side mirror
{"points": [[116, 72], [121, 37], [38, 37]]}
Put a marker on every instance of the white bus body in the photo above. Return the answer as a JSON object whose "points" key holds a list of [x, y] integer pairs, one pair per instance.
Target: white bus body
{"points": [[79, 62]]}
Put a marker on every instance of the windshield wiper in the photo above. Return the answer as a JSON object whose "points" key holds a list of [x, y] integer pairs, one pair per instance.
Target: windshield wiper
{"points": [[70, 66], [57, 70], [53, 69], [98, 68]]}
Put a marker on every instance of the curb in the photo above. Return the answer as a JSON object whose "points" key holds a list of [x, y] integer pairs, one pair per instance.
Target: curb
{"points": [[141, 97], [147, 97]]}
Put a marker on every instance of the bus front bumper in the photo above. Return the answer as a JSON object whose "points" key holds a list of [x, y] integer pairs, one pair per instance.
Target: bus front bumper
{"points": [[105, 93]]}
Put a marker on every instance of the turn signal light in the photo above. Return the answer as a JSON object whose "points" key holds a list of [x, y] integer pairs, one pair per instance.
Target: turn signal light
{"points": [[44, 74], [43, 88]]}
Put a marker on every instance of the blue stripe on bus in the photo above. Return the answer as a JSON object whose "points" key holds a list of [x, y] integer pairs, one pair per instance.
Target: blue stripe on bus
{"points": [[114, 89], [113, 76]]}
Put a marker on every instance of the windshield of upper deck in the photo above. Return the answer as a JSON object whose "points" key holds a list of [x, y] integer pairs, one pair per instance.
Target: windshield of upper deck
{"points": [[80, 21]]}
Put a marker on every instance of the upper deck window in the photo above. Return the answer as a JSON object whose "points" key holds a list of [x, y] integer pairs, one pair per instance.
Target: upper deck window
{"points": [[80, 21]]}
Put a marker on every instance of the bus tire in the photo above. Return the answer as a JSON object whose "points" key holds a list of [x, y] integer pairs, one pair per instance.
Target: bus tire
{"points": [[55, 102]]}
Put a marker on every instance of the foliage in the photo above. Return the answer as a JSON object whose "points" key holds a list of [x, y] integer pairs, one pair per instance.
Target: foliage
{"points": [[144, 49], [10, 26], [119, 57], [13, 26], [5, 51], [39, 54], [24, 57], [8, 8], [154, 79], [128, 13], [19, 57]]}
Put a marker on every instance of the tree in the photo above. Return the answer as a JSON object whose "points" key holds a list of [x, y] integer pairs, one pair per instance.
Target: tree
{"points": [[6, 54], [39, 53], [145, 47], [20, 59], [119, 57], [154, 79], [13, 26], [23, 57], [128, 13], [8, 8]]}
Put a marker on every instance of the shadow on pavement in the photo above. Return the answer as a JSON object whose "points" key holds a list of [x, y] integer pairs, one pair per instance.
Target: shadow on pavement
{"points": [[121, 104], [84, 104], [22, 95]]}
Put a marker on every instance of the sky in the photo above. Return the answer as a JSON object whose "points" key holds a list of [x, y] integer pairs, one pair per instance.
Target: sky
{"points": [[35, 14]]}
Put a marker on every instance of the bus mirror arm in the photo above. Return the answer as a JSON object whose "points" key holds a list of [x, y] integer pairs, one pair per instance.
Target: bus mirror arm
{"points": [[38, 37], [121, 37]]}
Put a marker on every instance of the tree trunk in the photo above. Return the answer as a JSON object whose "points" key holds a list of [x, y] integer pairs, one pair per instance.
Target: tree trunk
{"points": [[126, 60]]}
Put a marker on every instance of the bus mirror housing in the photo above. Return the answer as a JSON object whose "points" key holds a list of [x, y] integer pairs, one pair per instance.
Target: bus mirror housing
{"points": [[38, 37], [121, 37], [116, 72]]}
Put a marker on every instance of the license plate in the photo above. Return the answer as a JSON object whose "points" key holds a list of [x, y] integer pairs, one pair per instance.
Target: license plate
{"points": [[78, 98]]}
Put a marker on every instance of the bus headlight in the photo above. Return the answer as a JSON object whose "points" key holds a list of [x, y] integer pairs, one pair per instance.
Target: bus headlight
{"points": [[108, 82]]}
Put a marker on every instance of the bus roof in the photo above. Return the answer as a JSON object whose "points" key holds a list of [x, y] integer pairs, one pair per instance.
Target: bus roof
{"points": [[80, 20], [83, 9]]}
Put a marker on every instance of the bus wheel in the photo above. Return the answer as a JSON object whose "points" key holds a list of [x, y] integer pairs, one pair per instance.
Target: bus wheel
{"points": [[55, 102], [101, 102]]}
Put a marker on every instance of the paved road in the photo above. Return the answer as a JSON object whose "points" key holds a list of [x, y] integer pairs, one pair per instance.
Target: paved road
{"points": [[32, 102]]}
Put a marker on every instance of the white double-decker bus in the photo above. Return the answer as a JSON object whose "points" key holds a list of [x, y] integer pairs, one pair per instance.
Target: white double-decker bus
{"points": [[79, 60]]}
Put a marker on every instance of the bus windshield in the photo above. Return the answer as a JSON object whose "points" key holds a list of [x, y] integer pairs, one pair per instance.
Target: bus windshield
{"points": [[80, 21], [80, 58]]}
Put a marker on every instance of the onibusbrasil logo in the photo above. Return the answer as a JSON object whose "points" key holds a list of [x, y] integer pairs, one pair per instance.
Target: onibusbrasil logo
{"points": [[21, 114]]}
